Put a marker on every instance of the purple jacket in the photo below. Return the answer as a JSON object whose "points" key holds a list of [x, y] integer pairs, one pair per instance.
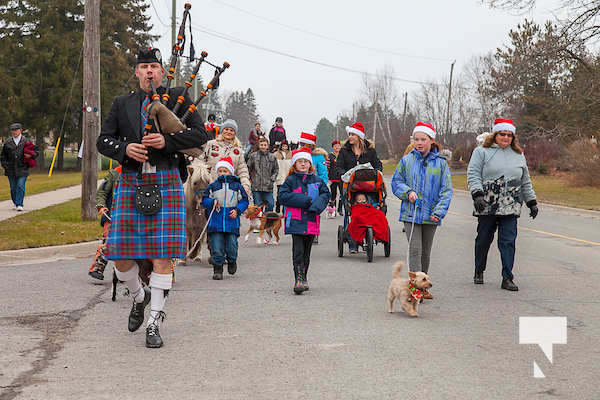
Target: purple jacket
{"points": [[304, 196]]}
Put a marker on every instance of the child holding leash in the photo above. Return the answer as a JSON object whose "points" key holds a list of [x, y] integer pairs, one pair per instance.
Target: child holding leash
{"points": [[304, 196], [422, 181], [229, 199]]}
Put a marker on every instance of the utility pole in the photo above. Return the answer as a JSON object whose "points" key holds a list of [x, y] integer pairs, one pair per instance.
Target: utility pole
{"points": [[375, 120], [404, 113], [91, 105], [449, 98]]}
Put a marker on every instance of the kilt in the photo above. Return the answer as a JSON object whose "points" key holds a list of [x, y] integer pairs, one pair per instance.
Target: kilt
{"points": [[134, 235]]}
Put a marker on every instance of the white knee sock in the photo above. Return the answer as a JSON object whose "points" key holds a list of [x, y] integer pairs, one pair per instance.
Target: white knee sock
{"points": [[132, 281], [158, 284]]}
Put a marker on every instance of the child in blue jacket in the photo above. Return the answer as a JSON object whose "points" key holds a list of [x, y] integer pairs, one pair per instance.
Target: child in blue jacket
{"points": [[304, 196], [229, 199], [422, 181]]}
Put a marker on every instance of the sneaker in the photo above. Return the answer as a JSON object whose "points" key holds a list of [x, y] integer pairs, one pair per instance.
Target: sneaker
{"points": [[256, 231], [217, 272], [136, 315], [231, 267], [153, 339], [19, 208], [298, 286], [508, 284]]}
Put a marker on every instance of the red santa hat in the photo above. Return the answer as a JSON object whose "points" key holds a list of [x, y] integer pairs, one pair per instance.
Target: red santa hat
{"points": [[357, 128], [226, 162], [335, 142], [501, 124], [425, 128], [307, 138], [303, 152]]}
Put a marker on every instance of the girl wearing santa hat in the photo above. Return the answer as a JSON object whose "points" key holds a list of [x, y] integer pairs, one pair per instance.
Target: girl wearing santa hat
{"points": [[304, 196], [319, 159], [499, 183], [422, 181]]}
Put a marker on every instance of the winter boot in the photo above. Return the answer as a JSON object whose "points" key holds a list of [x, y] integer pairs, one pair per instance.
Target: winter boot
{"points": [[217, 272], [305, 278], [298, 286], [231, 267]]}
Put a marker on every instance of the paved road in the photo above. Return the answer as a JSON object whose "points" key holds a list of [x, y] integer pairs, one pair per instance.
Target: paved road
{"points": [[249, 337]]}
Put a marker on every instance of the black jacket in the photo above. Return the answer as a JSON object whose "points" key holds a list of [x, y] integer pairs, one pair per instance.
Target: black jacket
{"points": [[122, 126], [276, 135], [13, 157], [334, 172], [347, 160]]}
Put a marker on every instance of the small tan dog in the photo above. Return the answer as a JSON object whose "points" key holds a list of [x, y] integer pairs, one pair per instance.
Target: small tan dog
{"points": [[269, 222], [408, 292]]}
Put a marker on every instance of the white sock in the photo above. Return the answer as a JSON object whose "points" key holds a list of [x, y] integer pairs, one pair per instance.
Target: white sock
{"points": [[132, 281], [158, 284]]}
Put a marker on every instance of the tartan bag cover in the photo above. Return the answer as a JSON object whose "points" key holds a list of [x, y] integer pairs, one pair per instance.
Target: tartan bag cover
{"points": [[134, 235]]}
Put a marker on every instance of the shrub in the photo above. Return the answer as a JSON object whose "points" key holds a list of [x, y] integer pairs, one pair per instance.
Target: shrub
{"points": [[542, 155], [584, 162]]}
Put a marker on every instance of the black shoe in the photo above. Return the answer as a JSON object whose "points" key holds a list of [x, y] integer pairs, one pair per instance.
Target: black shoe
{"points": [[96, 274], [217, 272], [316, 240], [231, 267], [478, 278], [508, 284], [153, 339], [298, 286], [136, 315], [305, 279]]}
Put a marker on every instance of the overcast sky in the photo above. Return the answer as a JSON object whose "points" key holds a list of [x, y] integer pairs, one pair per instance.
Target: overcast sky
{"points": [[301, 92]]}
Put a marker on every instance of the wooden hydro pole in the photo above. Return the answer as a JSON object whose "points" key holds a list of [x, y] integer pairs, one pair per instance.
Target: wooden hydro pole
{"points": [[91, 108]]}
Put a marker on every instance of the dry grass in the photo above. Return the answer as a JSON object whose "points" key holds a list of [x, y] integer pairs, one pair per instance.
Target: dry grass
{"points": [[554, 189], [40, 182], [50, 226]]}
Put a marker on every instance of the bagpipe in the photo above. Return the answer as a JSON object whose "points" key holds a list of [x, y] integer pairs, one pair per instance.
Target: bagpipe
{"points": [[166, 120]]}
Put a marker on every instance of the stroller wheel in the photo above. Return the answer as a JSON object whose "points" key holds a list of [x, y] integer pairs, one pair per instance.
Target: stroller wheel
{"points": [[387, 246], [340, 238], [369, 243]]}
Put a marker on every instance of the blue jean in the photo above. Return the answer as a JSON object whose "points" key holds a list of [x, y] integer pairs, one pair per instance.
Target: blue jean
{"points": [[17, 189], [260, 197], [223, 246], [507, 236]]}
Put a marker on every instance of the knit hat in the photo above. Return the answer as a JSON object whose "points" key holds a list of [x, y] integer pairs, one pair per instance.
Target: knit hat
{"points": [[307, 138], [335, 142], [230, 123], [226, 162], [425, 128], [501, 124], [303, 152], [278, 119], [357, 128]]}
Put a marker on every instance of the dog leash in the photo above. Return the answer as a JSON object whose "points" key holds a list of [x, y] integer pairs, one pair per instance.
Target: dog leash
{"points": [[203, 230]]}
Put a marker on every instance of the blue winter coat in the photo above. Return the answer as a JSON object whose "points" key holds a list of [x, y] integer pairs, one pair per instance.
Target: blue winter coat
{"points": [[429, 178], [318, 161], [230, 194], [304, 197]]}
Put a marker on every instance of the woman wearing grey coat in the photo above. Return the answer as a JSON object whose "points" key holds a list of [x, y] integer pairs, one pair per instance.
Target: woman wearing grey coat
{"points": [[499, 183]]}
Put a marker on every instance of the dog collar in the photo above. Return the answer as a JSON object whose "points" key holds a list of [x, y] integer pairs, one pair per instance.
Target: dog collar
{"points": [[416, 293]]}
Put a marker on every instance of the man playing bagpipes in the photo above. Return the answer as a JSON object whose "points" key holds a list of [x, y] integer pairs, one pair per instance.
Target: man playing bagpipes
{"points": [[148, 213]]}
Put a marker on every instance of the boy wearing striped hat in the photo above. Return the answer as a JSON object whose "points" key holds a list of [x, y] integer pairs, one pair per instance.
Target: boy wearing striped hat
{"points": [[227, 200]]}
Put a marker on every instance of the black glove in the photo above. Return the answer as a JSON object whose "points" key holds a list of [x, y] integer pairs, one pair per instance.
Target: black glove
{"points": [[478, 202], [533, 210]]}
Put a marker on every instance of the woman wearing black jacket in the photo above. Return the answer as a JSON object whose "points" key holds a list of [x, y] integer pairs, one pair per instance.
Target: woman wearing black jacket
{"points": [[357, 150]]}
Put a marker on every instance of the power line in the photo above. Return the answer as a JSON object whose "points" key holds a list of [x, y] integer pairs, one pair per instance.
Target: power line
{"points": [[321, 36], [157, 15], [308, 60]]}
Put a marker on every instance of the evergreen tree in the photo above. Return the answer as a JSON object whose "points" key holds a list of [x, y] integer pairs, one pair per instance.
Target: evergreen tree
{"points": [[325, 132]]}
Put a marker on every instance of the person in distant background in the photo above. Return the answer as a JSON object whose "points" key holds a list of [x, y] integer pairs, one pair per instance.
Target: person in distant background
{"points": [[18, 155], [277, 134], [212, 128]]}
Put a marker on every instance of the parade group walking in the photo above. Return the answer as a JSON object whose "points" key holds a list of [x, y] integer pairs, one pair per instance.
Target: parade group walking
{"points": [[142, 204]]}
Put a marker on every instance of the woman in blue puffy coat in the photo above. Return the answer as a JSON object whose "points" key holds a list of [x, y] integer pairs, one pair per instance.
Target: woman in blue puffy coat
{"points": [[422, 181], [304, 196]]}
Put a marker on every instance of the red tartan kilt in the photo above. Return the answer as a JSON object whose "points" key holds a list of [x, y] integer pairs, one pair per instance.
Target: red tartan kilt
{"points": [[134, 235]]}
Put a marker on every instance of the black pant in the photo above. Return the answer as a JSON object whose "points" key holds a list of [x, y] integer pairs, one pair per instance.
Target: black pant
{"points": [[334, 190], [301, 246], [277, 204], [507, 236]]}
